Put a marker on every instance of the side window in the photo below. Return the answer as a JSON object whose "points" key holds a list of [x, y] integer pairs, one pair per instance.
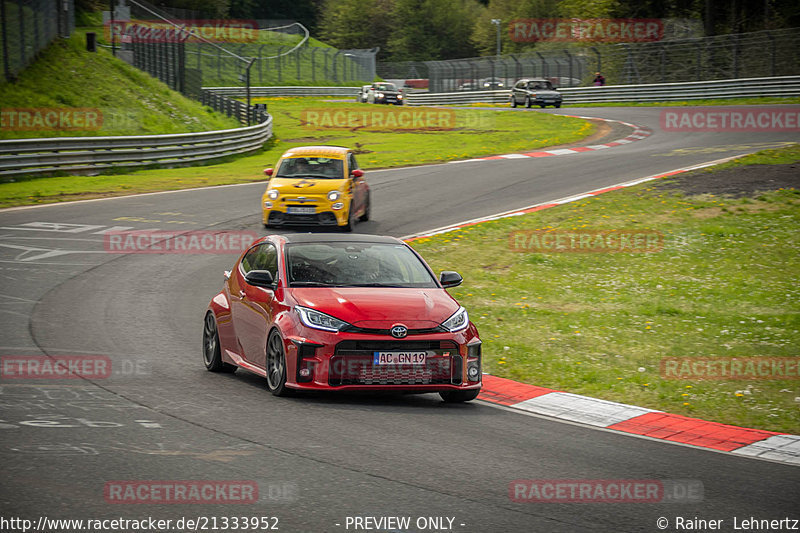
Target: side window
{"points": [[351, 162], [261, 257], [520, 84]]}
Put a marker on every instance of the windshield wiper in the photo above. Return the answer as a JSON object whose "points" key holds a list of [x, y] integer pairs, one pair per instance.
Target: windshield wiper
{"points": [[311, 284], [377, 285]]}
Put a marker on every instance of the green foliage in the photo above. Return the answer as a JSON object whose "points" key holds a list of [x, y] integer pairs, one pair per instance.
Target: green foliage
{"points": [[357, 24], [433, 29]]}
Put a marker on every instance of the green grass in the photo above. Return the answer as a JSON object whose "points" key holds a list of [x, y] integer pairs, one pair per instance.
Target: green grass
{"points": [[477, 133], [775, 156], [132, 102], [598, 324]]}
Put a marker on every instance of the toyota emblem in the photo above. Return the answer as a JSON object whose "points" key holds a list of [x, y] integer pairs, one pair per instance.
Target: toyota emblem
{"points": [[399, 331]]}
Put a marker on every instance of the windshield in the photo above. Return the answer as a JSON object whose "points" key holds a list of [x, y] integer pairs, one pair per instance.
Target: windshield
{"points": [[311, 167], [540, 85], [385, 86], [355, 264]]}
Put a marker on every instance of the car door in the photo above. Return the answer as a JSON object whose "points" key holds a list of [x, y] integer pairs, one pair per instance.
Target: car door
{"points": [[251, 306], [359, 185], [516, 92]]}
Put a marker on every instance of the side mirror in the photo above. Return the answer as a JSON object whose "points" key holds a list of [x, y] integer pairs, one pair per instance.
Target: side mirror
{"points": [[260, 278], [448, 279], [357, 173], [268, 171]]}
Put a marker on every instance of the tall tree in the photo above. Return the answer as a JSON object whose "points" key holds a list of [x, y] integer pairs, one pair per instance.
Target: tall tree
{"points": [[357, 24], [433, 29]]}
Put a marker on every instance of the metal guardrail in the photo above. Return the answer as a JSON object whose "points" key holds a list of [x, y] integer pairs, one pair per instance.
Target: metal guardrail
{"points": [[86, 155], [238, 92], [785, 86]]}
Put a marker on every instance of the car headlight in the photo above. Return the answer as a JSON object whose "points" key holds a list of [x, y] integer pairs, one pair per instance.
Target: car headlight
{"points": [[379, 95], [334, 195], [399, 96], [272, 194], [315, 319], [458, 321]]}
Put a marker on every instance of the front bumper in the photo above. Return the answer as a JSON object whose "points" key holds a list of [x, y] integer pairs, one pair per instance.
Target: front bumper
{"points": [[279, 218], [345, 361]]}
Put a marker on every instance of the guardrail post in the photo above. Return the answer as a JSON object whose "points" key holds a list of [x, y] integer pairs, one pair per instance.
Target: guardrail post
{"points": [[569, 70], [335, 57], [544, 65], [279, 60], [599, 59], [699, 61], [772, 53], [260, 65], [517, 67]]}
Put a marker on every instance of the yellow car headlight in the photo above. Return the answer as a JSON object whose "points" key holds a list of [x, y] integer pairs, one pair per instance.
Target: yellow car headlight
{"points": [[272, 194], [334, 195]]}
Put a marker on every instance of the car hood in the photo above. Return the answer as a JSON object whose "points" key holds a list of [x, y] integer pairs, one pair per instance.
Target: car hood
{"points": [[380, 308], [545, 92], [305, 186]]}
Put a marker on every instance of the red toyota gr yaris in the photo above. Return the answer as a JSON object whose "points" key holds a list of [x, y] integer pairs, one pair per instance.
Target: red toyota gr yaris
{"points": [[342, 312]]}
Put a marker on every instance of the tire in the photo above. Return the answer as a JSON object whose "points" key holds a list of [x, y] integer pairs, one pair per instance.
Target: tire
{"points": [[266, 226], [557, 106], [513, 101], [276, 365], [212, 354], [542, 106], [528, 102], [365, 216], [347, 228], [458, 396]]}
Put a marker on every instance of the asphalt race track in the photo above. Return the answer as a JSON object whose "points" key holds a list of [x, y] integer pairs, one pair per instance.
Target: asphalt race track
{"points": [[317, 459]]}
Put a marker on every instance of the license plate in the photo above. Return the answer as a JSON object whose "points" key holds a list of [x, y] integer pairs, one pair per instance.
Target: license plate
{"points": [[301, 210], [399, 358]]}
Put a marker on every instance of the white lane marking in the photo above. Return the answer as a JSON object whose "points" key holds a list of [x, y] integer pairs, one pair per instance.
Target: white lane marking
{"points": [[54, 226], [785, 448], [574, 199], [45, 253]]}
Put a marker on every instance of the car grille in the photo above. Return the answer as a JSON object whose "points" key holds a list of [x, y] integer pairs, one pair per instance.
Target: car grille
{"points": [[352, 364]]}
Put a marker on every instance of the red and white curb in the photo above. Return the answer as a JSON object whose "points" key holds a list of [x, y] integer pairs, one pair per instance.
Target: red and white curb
{"points": [[641, 421], [560, 201], [638, 134], [620, 417]]}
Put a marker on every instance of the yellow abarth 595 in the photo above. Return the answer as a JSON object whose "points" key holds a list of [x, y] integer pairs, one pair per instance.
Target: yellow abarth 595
{"points": [[316, 185]]}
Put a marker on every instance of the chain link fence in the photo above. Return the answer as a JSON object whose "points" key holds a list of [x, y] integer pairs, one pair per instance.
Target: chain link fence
{"points": [[746, 55], [27, 26], [278, 52]]}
